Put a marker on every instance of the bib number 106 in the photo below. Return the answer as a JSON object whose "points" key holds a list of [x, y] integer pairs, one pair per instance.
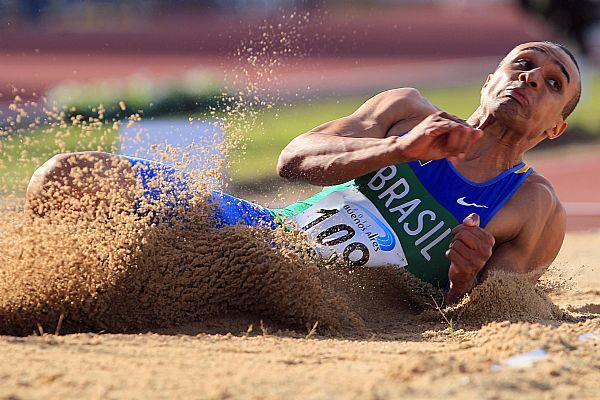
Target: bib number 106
{"points": [[338, 234]]}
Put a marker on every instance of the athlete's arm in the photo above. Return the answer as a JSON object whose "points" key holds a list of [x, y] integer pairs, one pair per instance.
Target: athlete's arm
{"points": [[537, 221], [539, 237], [367, 140]]}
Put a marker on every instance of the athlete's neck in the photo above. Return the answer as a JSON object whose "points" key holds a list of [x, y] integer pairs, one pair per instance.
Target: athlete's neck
{"points": [[499, 149]]}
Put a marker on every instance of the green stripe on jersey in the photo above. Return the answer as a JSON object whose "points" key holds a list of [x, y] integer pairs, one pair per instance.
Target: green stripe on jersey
{"points": [[297, 208]]}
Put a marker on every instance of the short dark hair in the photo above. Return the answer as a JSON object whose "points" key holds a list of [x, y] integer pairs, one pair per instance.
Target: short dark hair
{"points": [[570, 106]]}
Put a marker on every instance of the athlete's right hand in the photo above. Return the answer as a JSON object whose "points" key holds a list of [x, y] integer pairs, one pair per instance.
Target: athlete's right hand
{"points": [[440, 135]]}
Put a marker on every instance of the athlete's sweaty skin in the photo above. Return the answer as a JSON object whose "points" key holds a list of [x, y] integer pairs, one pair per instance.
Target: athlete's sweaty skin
{"points": [[522, 103]]}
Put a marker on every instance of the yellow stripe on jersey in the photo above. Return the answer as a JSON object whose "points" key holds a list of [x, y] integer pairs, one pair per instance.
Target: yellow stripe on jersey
{"points": [[525, 168]]}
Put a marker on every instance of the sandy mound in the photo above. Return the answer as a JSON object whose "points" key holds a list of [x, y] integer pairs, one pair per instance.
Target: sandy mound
{"points": [[123, 274], [505, 297]]}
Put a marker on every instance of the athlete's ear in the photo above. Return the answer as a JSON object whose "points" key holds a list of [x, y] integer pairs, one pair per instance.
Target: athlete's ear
{"points": [[557, 130], [487, 80]]}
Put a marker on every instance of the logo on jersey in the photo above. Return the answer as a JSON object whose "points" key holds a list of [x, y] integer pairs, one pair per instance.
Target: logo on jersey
{"points": [[462, 202]]}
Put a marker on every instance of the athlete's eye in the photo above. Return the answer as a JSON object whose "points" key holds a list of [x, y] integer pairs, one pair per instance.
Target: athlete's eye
{"points": [[526, 64], [555, 84]]}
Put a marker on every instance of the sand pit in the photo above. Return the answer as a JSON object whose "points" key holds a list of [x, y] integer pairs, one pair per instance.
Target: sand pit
{"points": [[100, 301], [421, 359], [150, 304], [184, 309]]}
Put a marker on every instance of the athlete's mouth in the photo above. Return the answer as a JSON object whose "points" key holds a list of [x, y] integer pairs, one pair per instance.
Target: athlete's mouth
{"points": [[518, 96]]}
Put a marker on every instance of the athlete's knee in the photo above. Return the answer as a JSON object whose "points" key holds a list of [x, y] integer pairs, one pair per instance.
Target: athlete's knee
{"points": [[57, 168], [49, 171], [54, 180]]}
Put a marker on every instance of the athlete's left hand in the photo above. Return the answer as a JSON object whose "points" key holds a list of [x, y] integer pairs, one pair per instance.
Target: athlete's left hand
{"points": [[470, 249]]}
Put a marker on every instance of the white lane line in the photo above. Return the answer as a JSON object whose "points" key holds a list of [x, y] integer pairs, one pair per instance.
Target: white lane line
{"points": [[582, 209]]}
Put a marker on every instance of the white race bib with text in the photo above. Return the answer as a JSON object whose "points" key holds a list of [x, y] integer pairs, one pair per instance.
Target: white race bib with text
{"points": [[347, 223]]}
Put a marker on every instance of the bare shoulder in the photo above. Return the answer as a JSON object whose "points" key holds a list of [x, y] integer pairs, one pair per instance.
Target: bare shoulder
{"points": [[538, 192], [529, 229], [533, 210], [395, 105]]}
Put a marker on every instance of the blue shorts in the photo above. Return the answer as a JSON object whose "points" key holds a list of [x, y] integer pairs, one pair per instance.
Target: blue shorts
{"points": [[173, 190]]}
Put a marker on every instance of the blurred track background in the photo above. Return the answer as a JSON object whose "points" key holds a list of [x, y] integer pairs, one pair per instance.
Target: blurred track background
{"points": [[171, 58]]}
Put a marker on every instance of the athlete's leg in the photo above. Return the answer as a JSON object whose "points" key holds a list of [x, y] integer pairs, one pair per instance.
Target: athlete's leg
{"points": [[69, 177], [230, 210], [168, 189]]}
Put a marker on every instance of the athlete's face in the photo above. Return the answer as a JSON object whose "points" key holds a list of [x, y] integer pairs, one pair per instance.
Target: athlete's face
{"points": [[531, 88]]}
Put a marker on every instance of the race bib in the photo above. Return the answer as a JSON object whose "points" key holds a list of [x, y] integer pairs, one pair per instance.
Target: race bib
{"points": [[345, 222]]}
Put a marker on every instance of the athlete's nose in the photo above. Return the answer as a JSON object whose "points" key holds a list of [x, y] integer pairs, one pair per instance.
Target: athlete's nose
{"points": [[530, 77]]}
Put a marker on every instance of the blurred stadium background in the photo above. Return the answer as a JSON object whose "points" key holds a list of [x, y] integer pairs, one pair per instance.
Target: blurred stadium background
{"points": [[302, 62]]}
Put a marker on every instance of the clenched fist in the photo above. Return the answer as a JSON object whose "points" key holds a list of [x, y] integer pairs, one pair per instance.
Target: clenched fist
{"points": [[440, 135], [469, 251]]}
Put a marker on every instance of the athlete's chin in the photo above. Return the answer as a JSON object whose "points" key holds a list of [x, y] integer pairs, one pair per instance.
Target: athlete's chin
{"points": [[511, 115]]}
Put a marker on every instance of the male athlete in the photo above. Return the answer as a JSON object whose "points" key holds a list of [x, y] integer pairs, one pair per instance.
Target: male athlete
{"points": [[412, 186]]}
